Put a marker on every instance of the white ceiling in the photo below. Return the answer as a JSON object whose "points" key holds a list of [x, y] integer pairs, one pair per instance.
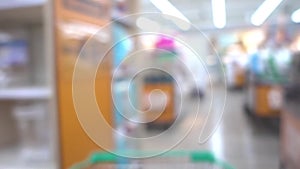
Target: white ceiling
{"points": [[238, 11]]}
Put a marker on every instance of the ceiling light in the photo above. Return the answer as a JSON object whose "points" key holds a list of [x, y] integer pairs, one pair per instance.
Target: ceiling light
{"points": [[167, 8], [296, 16], [219, 13], [147, 24], [264, 11]]}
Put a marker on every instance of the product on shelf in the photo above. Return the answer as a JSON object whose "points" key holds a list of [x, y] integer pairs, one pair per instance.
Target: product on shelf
{"points": [[13, 59], [31, 119]]}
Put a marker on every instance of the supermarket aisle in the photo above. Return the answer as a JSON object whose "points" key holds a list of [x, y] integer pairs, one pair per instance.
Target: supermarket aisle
{"points": [[240, 140]]}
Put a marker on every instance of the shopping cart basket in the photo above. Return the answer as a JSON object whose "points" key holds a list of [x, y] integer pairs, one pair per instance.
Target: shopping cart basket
{"points": [[169, 160]]}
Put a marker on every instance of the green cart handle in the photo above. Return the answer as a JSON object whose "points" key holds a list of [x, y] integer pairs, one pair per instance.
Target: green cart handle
{"points": [[194, 156]]}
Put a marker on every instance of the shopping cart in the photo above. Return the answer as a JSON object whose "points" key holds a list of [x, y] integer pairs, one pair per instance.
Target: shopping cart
{"points": [[169, 160]]}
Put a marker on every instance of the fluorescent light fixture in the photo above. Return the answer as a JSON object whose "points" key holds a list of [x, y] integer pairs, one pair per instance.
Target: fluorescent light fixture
{"points": [[264, 11], [219, 13], [167, 8], [10, 4], [147, 24], [296, 16]]}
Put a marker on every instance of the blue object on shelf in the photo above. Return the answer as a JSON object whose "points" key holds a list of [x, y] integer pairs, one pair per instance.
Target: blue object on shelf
{"points": [[122, 44]]}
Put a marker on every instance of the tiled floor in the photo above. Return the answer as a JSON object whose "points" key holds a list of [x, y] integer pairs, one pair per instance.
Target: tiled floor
{"points": [[242, 141]]}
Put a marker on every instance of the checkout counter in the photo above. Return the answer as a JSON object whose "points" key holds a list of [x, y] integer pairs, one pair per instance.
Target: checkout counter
{"points": [[263, 98]]}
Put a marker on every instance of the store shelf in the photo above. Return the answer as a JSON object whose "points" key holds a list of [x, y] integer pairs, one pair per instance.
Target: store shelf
{"points": [[21, 11], [9, 159], [26, 93]]}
